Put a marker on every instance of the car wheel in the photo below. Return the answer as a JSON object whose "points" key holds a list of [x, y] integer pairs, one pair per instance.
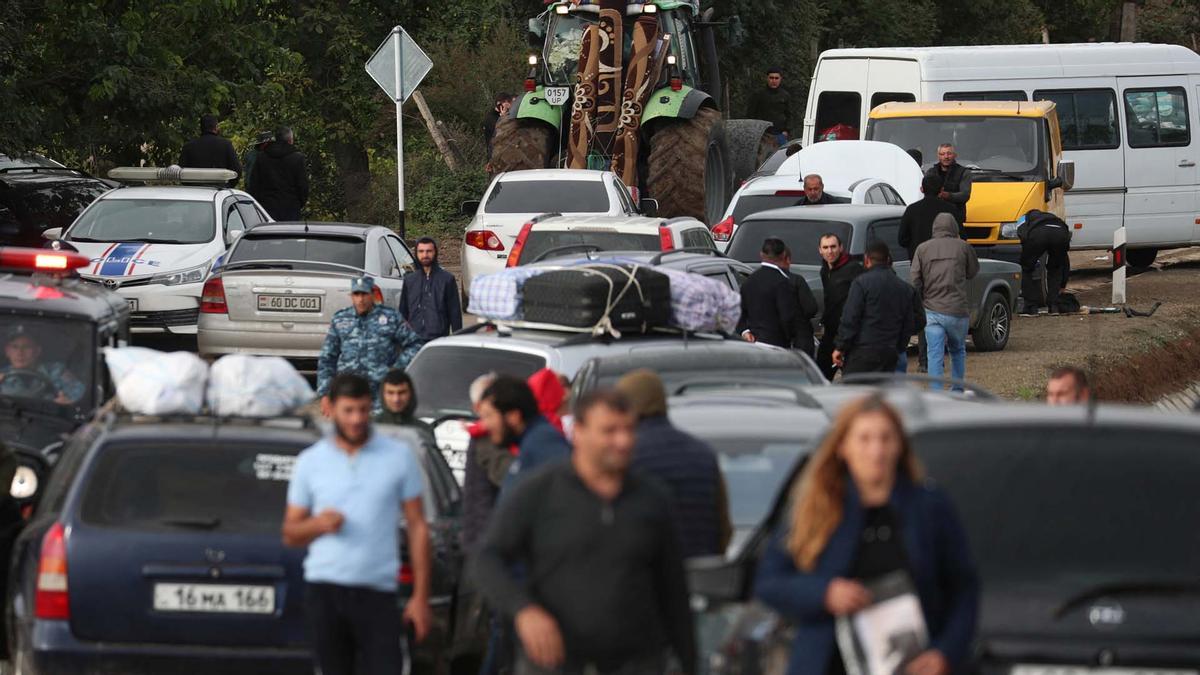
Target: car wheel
{"points": [[995, 324], [1141, 258]]}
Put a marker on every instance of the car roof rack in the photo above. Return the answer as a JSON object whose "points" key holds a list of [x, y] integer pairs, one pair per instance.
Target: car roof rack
{"points": [[701, 250], [585, 335], [298, 419]]}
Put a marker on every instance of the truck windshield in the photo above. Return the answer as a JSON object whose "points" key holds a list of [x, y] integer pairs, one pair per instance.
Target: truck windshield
{"points": [[47, 360], [564, 36], [996, 148]]}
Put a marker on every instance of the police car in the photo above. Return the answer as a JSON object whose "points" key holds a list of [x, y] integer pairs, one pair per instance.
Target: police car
{"points": [[155, 244]]}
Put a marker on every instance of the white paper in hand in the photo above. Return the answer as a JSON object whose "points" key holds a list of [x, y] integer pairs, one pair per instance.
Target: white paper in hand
{"points": [[883, 638]]}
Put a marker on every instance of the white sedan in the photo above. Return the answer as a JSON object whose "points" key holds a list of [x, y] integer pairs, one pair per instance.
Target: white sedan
{"points": [[516, 197]]}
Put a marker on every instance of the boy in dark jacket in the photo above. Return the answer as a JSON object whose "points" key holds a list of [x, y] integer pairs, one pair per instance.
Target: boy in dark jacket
{"points": [[399, 401]]}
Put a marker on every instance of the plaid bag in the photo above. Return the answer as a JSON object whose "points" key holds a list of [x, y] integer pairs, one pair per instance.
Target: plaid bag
{"points": [[702, 304], [498, 296]]}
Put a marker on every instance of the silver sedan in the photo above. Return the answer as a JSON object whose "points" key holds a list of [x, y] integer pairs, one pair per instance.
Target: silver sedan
{"points": [[280, 285]]}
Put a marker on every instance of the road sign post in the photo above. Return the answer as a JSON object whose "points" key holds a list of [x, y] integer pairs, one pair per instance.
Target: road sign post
{"points": [[398, 66], [1118, 265]]}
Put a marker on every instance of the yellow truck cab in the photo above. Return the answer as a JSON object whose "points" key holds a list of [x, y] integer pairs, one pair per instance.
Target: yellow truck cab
{"points": [[1013, 150]]}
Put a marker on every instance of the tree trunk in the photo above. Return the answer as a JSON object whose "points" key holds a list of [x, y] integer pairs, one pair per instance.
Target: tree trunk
{"points": [[435, 132], [354, 172], [1129, 21]]}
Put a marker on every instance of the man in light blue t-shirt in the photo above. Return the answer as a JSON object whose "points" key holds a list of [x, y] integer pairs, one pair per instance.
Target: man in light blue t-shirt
{"points": [[344, 500]]}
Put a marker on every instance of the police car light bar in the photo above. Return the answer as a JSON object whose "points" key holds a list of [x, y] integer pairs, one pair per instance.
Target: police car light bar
{"points": [[170, 174], [39, 260]]}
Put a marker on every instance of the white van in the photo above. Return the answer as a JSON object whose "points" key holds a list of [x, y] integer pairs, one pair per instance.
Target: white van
{"points": [[1129, 115]]}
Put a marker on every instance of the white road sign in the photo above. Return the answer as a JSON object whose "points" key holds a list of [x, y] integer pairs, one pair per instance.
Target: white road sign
{"points": [[414, 65]]}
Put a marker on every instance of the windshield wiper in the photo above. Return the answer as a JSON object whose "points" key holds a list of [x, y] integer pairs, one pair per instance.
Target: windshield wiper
{"points": [[1126, 588], [199, 523], [86, 240], [147, 240], [259, 265], [997, 172]]}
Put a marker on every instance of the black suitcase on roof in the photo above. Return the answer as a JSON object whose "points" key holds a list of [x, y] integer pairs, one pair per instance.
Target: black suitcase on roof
{"points": [[578, 297]]}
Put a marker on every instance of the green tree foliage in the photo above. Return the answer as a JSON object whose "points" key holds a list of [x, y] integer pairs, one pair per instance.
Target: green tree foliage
{"points": [[1172, 21], [988, 22]]}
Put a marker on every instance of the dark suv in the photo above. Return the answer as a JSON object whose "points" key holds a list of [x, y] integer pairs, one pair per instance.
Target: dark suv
{"points": [[36, 198], [156, 548]]}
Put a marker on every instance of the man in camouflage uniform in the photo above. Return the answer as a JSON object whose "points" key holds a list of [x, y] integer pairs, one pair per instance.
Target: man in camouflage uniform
{"points": [[365, 338], [26, 376]]}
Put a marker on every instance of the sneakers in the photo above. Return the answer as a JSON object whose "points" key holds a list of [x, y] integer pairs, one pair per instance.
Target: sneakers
{"points": [[1029, 310]]}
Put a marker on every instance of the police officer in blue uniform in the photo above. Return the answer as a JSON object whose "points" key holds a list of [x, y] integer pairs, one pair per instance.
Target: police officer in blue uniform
{"points": [[366, 338], [25, 375]]}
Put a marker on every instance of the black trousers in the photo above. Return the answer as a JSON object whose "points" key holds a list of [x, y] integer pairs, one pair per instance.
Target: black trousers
{"points": [[825, 356], [355, 631], [1056, 242], [871, 360]]}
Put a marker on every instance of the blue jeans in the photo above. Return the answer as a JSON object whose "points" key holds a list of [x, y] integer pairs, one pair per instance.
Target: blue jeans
{"points": [[902, 362], [946, 333]]}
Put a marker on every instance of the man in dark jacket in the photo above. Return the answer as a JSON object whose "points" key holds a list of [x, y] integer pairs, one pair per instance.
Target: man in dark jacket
{"points": [[210, 151], [773, 104], [878, 319], [814, 192], [280, 178], [685, 464], [261, 142], [509, 411], [838, 271], [1043, 233], [916, 225], [956, 180], [399, 398], [772, 310], [429, 300], [492, 118]]}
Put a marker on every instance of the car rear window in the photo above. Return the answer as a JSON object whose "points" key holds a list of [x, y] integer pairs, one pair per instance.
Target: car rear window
{"points": [[748, 204], [201, 487], [442, 375], [1060, 503], [790, 370], [560, 196], [546, 241], [55, 205], [339, 250], [754, 471], [803, 237]]}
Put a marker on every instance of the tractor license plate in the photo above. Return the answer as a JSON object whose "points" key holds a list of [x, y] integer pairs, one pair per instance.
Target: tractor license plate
{"points": [[557, 95]]}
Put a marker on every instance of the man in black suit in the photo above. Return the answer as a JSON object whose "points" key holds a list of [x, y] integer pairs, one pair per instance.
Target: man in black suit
{"points": [[777, 306], [210, 151]]}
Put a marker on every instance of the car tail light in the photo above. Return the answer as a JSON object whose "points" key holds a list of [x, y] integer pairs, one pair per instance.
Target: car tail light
{"points": [[377, 295], [50, 597], [212, 298], [723, 230], [789, 193], [484, 240], [41, 260], [665, 240], [514, 256]]}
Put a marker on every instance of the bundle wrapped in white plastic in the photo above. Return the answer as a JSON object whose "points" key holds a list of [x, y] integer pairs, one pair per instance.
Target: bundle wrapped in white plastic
{"points": [[150, 382], [702, 304], [255, 386]]}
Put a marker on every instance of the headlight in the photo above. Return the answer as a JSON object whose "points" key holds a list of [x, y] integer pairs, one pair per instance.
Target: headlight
{"points": [[24, 484], [1008, 230], [193, 276]]}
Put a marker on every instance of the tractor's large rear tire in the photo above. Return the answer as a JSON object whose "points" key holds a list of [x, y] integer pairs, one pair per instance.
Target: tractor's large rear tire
{"points": [[522, 144], [688, 168], [749, 146]]}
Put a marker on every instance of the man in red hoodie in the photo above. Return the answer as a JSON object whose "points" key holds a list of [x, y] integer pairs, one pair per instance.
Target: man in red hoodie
{"points": [[838, 271]]}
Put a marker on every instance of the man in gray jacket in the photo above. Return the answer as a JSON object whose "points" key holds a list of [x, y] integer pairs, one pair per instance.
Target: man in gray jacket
{"points": [[940, 270]]}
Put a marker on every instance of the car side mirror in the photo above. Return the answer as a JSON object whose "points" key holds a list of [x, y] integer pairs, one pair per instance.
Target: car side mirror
{"points": [[1066, 174], [648, 207], [232, 236], [469, 207], [716, 579], [52, 234]]}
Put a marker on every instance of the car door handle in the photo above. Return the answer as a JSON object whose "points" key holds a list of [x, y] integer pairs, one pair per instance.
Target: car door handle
{"points": [[1186, 163]]}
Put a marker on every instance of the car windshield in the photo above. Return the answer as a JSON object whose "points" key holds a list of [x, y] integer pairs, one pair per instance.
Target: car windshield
{"points": [[580, 241], [1062, 503], [48, 360], [803, 237], [754, 471], [53, 205], [165, 221], [751, 204], [535, 196], [443, 375], [999, 148], [201, 486], [338, 250]]}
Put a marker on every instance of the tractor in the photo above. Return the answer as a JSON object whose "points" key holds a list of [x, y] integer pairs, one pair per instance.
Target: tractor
{"points": [[632, 88]]}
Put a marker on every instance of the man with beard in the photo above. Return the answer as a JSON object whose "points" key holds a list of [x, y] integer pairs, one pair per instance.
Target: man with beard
{"points": [[602, 587], [838, 271], [509, 411], [343, 500], [429, 300]]}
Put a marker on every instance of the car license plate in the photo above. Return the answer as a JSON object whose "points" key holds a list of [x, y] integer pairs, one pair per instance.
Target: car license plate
{"points": [[289, 303], [557, 95], [132, 302], [216, 598], [1083, 670]]}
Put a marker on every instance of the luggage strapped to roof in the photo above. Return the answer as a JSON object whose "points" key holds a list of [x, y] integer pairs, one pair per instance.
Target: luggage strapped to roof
{"points": [[605, 325]]}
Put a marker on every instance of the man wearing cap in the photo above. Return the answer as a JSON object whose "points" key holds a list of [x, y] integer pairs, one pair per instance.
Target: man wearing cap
{"points": [[260, 144], [366, 338], [25, 376]]}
